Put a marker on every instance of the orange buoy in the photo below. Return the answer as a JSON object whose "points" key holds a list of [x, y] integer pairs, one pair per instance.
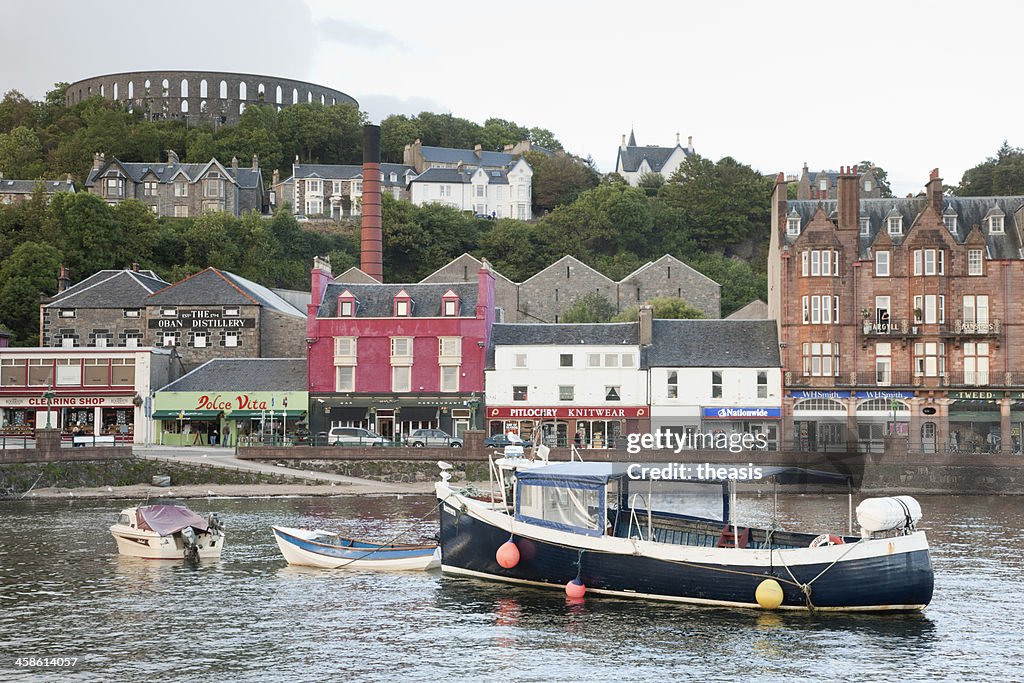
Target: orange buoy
{"points": [[507, 555], [575, 588]]}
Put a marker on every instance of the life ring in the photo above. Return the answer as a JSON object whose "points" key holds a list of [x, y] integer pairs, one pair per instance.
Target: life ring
{"points": [[826, 539]]}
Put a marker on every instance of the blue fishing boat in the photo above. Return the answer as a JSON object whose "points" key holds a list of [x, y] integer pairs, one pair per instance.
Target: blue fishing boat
{"points": [[318, 548], [615, 529]]}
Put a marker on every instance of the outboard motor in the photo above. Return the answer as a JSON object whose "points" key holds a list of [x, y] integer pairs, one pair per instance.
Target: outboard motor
{"points": [[214, 522], [188, 537]]}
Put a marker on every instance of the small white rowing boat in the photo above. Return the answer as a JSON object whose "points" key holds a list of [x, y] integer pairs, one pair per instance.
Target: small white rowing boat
{"points": [[318, 548]]}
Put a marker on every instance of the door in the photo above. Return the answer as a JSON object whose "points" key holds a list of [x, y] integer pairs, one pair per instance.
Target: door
{"points": [[882, 314], [928, 437], [386, 427]]}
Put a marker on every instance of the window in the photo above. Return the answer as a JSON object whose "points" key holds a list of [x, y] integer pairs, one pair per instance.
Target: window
{"points": [[883, 363], [101, 342], [672, 384], [401, 350], [882, 263], [612, 393], [314, 186], [929, 359], [401, 378], [865, 226], [451, 307], [199, 340], [345, 378], [169, 312], [180, 188], [868, 185], [69, 372], [929, 262], [716, 384], [520, 360], [12, 372], [213, 187], [40, 372], [181, 211], [975, 259], [67, 342], [444, 190], [132, 313], [478, 190], [231, 339], [401, 308], [344, 347], [67, 313], [114, 187], [97, 371], [823, 185], [950, 221], [131, 340], [449, 348], [122, 372], [450, 378], [894, 225], [975, 363], [793, 226], [976, 313], [593, 360], [611, 360], [762, 384], [995, 224], [170, 339], [336, 188], [149, 188], [566, 393], [627, 360], [519, 393], [565, 360], [821, 359], [820, 310]]}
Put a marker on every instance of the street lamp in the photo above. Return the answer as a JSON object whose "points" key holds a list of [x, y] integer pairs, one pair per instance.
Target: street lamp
{"points": [[48, 395]]}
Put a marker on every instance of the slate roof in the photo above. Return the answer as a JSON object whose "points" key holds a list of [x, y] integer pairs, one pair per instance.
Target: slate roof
{"points": [[244, 177], [631, 157], [245, 374], [970, 211], [714, 344], [12, 186], [562, 334], [468, 157], [349, 172], [377, 301], [453, 175], [212, 287], [110, 289]]}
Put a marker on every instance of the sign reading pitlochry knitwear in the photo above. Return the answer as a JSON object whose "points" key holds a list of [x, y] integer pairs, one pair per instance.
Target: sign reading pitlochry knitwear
{"points": [[885, 394], [810, 393], [201, 319], [550, 413], [737, 413], [975, 395]]}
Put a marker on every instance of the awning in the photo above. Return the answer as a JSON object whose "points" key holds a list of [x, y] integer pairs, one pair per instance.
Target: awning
{"points": [[348, 414], [258, 414], [417, 414], [185, 414]]}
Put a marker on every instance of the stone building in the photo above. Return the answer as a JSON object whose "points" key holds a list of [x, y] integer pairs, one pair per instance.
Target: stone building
{"points": [[200, 96], [176, 189], [898, 319], [544, 296], [18, 191], [423, 157], [336, 190], [634, 161], [825, 185]]}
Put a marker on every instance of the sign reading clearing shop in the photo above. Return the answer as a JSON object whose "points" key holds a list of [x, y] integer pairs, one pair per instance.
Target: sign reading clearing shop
{"points": [[201, 319]]}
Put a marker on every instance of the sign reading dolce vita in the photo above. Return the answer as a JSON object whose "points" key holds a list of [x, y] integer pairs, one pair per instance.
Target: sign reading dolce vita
{"points": [[201, 319]]}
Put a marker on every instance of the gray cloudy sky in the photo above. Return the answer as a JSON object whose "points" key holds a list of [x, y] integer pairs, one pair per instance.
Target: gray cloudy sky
{"points": [[910, 85]]}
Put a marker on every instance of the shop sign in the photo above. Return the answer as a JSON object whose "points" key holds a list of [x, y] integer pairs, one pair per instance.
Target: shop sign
{"points": [[810, 393], [976, 395], [201, 319], [237, 402], [738, 413], [65, 401], [554, 412], [885, 394]]}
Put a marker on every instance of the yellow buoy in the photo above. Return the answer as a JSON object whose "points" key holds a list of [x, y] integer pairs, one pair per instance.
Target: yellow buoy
{"points": [[769, 594]]}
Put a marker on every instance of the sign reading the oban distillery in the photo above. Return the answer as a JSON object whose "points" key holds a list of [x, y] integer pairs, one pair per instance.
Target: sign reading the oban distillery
{"points": [[201, 319]]}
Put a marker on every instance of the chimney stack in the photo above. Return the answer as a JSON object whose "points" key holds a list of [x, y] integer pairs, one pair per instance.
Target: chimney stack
{"points": [[934, 191], [234, 164], [63, 280], [276, 178], [478, 150], [646, 325], [255, 162], [172, 157], [97, 161], [371, 261], [847, 195], [623, 146]]}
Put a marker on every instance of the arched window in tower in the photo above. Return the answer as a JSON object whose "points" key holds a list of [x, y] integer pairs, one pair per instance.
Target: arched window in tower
{"points": [[203, 90], [184, 87], [242, 91]]}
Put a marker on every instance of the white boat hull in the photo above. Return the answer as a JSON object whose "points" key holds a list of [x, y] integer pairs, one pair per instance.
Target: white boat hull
{"points": [[299, 547], [149, 545]]}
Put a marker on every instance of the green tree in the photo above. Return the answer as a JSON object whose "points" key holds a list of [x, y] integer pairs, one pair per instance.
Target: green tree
{"points": [[664, 307], [30, 272], [651, 183], [589, 308], [740, 283], [558, 179], [513, 248], [997, 176], [604, 220], [497, 133], [21, 154], [396, 131], [542, 137]]}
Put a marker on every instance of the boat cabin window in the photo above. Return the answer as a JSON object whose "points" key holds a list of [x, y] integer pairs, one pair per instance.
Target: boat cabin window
{"points": [[570, 506], [123, 519]]}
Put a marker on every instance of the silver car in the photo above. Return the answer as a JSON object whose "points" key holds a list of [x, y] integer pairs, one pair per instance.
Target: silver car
{"points": [[433, 437], [354, 436]]}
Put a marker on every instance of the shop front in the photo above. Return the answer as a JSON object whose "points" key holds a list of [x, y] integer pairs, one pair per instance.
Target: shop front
{"points": [[820, 420], [197, 418], [881, 415], [560, 426], [759, 422], [99, 415], [975, 421], [392, 416]]}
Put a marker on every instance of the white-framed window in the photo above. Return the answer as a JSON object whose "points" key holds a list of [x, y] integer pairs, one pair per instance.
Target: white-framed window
{"points": [[67, 313], [449, 348], [611, 360], [451, 308], [115, 187], [823, 185], [793, 226], [565, 360], [929, 359], [613, 393], [401, 350], [169, 312], [566, 392], [132, 340], [402, 308], [231, 339], [347, 308], [232, 312], [716, 384], [762, 384], [170, 339], [132, 313], [628, 361], [101, 342], [865, 225], [213, 187], [883, 363], [180, 188], [67, 342], [401, 376], [199, 340], [820, 310], [479, 191], [976, 365], [345, 347], [519, 360], [593, 360], [314, 186], [995, 224], [975, 262], [821, 359], [336, 188], [929, 262], [894, 225], [868, 185], [149, 188], [69, 372], [181, 211], [882, 263], [444, 190], [950, 221], [672, 384], [450, 378], [345, 378], [975, 313]]}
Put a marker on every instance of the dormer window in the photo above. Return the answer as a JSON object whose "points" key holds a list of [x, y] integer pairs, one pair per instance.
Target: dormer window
{"points": [[793, 224], [450, 304], [865, 225], [950, 220], [347, 304], [894, 223], [868, 185], [995, 224], [394, 177], [403, 305], [823, 185]]}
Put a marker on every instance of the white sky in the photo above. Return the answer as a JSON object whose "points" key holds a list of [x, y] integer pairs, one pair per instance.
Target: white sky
{"points": [[910, 85]]}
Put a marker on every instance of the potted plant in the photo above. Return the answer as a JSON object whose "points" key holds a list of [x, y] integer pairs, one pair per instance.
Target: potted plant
{"points": [[865, 313], [918, 316]]}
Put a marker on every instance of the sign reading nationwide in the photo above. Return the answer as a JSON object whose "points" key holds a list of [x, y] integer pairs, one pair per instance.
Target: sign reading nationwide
{"points": [[738, 413]]}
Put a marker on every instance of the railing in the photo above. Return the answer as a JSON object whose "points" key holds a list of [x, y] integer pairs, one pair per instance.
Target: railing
{"points": [[909, 380]]}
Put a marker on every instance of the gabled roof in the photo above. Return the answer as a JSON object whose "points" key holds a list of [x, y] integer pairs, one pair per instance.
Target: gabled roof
{"points": [[570, 260], [246, 374], [212, 287], [468, 157], [755, 310], [12, 186], [110, 289], [377, 300], [714, 344], [454, 175], [632, 157], [565, 334], [355, 274], [667, 259], [350, 172], [470, 260], [244, 177]]}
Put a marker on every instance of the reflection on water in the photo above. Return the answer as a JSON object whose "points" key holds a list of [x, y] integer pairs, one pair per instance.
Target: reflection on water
{"points": [[249, 617]]}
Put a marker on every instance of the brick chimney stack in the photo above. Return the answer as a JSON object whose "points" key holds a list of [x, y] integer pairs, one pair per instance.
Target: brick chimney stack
{"points": [[934, 191], [371, 261], [97, 161], [847, 194], [63, 280]]}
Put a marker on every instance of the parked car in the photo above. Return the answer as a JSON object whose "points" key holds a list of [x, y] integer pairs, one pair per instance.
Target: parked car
{"points": [[433, 437], [354, 436], [501, 440]]}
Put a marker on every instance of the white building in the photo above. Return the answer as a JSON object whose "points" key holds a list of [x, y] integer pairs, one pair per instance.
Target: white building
{"points": [[634, 161], [505, 193], [712, 376], [564, 379]]}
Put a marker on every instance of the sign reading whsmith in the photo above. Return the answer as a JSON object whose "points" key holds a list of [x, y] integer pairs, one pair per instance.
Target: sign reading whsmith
{"points": [[201, 319]]}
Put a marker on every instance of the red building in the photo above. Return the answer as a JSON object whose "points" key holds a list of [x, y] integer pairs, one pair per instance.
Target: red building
{"points": [[397, 357]]}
